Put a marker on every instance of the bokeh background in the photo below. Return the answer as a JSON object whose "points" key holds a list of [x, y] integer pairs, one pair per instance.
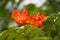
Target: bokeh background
{"points": [[47, 7]]}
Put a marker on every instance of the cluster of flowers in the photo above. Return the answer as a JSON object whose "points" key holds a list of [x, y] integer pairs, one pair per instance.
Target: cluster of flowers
{"points": [[23, 18]]}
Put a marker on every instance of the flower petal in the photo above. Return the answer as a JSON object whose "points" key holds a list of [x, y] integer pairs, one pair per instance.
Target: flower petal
{"points": [[25, 12]]}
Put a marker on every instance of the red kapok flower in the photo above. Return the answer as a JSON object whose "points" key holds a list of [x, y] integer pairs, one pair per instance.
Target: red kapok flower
{"points": [[40, 17], [37, 21], [20, 18]]}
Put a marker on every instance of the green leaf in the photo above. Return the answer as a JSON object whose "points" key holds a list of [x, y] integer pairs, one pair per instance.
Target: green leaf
{"points": [[11, 36], [49, 24], [22, 30], [57, 37], [23, 39], [53, 27], [41, 38], [29, 30], [20, 37], [36, 33], [1, 22], [4, 35]]}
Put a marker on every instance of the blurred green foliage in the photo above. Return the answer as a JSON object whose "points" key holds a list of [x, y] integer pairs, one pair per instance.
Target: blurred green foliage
{"points": [[14, 33], [51, 30]]}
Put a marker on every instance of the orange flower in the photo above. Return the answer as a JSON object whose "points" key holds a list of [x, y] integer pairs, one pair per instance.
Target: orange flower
{"points": [[40, 17], [20, 19], [37, 24], [37, 21]]}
